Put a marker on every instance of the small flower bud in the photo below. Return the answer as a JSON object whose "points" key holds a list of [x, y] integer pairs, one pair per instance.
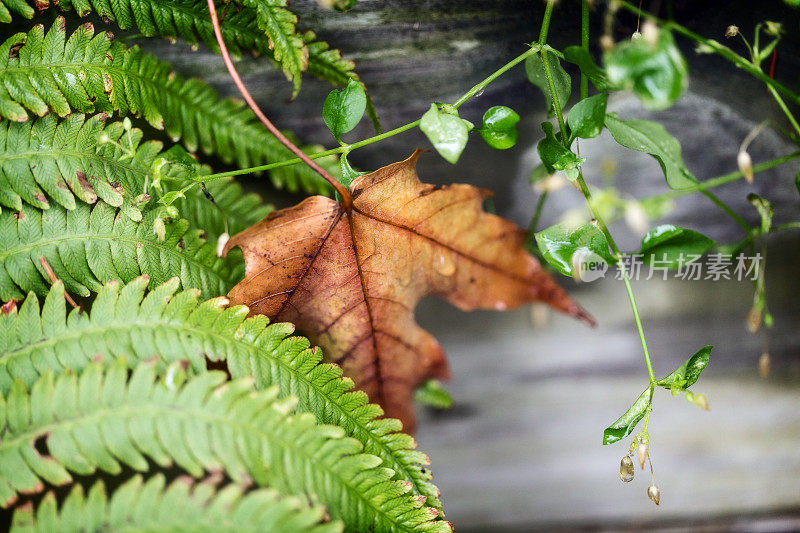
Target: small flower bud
{"points": [[606, 43], [626, 470], [641, 453], [103, 138], [126, 123], [763, 365], [650, 33], [689, 396], [221, 242], [636, 35], [745, 165], [753, 320], [654, 494], [732, 31], [636, 217], [171, 211], [701, 401]]}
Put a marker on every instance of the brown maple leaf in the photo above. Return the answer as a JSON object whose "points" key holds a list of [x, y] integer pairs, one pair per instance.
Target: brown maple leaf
{"points": [[350, 277]]}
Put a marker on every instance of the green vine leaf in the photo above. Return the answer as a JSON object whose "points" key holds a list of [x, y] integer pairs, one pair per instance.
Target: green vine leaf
{"points": [[571, 250], [587, 118], [671, 246], [205, 424], [625, 424], [342, 110], [534, 67], [499, 128], [107, 77], [553, 154], [124, 321], [651, 66], [687, 374], [583, 59], [447, 132], [139, 505], [651, 138]]}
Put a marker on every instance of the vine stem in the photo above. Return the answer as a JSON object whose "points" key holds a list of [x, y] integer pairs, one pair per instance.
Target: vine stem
{"points": [[347, 199], [587, 194], [348, 147]]}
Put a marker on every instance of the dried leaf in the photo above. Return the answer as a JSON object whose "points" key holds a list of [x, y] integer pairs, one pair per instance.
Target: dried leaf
{"points": [[350, 279]]}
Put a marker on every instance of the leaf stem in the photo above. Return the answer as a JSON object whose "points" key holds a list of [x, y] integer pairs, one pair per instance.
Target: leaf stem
{"points": [[347, 199], [728, 210]]}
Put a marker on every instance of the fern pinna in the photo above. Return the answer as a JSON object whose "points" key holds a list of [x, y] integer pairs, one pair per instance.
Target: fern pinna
{"points": [[183, 505], [89, 73], [127, 322]]}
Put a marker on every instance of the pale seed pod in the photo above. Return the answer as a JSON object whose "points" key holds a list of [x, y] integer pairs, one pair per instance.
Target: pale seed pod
{"points": [[731, 31], [641, 453], [701, 401], [763, 365], [626, 470], [745, 165], [654, 494], [753, 320]]}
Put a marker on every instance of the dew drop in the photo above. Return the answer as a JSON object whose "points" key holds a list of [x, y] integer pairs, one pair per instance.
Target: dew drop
{"points": [[444, 265], [479, 93]]}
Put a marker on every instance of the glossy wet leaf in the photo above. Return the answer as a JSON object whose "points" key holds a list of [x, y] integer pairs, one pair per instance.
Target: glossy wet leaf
{"points": [[534, 67], [350, 278], [553, 154], [651, 138], [583, 59], [687, 374], [587, 118], [560, 243], [671, 246], [625, 424], [499, 128], [652, 67], [343, 109], [447, 132]]}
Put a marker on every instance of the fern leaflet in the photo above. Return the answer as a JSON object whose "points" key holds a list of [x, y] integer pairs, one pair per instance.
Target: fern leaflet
{"points": [[103, 420], [88, 73], [149, 505], [94, 244], [124, 322]]}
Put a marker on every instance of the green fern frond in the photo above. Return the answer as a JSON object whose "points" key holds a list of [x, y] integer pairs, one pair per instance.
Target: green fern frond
{"points": [[88, 73], [286, 44], [90, 245], [63, 159], [126, 323], [190, 21], [103, 420], [140, 505]]}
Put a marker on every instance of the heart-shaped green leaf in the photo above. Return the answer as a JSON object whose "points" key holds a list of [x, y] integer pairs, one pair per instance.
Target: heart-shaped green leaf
{"points": [[672, 246], [499, 128], [343, 110], [446, 131], [580, 251], [534, 67], [587, 117], [553, 154], [651, 66]]}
